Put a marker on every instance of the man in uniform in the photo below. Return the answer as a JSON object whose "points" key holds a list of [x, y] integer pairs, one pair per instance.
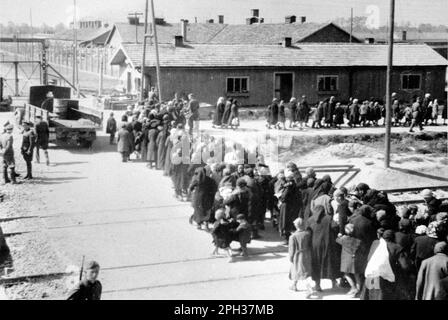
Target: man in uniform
{"points": [[89, 288], [7, 141], [47, 104], [28, 139], [111, 128], [417, 114], [42, 137], [193, 107]]}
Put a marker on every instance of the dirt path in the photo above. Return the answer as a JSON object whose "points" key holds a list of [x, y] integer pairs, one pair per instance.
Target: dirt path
{"points": [[124, 216]]}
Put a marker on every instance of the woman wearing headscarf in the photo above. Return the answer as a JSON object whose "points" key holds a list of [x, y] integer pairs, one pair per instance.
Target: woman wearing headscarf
{"points": [[227, 111], [290, 205], [219, 111], [321, 198], [152, 143], [423, 246], [238, 201], [306, 199], [255, 207], [292, 112], [161, 145], [273, 114], [387, 272], [281, 115], [234, 121], [203, 189], [324, 254]]}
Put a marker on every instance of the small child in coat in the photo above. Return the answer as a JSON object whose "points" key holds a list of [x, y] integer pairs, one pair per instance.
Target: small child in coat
{"points": [[222, 236], [242, 233], [299, 252], [350, 260]]}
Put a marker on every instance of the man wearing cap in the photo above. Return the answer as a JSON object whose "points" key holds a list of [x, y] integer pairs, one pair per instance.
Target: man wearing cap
{"points": [[89, 288], [42, 137], [432, 273], [432, 203], [111, 128], [28, 139], [6, 143], [193, 108]]}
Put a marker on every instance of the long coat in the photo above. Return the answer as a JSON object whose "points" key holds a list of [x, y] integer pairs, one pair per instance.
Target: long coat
{"points": [[350, 259], [226, 114], [273, 114], [291, 204], [152, 145], [324, 255], [339, 115], [124, 142], [203, 190], [219, 112], [429, 284], [302, 111], [300, 255], [161, 148], [422, 248]]}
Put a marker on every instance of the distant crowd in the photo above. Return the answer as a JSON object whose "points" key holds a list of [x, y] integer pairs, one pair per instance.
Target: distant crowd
{"points": [[330, 113]]}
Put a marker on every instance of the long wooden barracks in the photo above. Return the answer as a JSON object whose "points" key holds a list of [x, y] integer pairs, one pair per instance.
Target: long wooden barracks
{"points": [[269, 63]]}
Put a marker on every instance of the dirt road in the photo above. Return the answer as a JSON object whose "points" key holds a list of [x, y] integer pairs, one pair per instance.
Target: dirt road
{"points": [[124, 216]]}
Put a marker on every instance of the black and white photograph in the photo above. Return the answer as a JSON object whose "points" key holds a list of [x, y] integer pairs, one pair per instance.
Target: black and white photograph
{"points": [[224, 150]]}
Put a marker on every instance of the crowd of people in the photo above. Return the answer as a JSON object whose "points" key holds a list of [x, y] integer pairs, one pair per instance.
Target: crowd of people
{"points": [[355, 238], [330, 113]]}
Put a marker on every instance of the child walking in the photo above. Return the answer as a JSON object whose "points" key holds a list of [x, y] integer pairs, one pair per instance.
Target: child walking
{"points": [[222, 236], [350, 260], [242, 234], [299, 252]]}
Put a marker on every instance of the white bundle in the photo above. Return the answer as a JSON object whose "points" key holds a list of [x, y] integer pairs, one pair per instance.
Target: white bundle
{"points": [[379, 265]]}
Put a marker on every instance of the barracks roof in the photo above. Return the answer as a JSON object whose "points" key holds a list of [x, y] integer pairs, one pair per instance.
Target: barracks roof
{"points": [[298, 55]]}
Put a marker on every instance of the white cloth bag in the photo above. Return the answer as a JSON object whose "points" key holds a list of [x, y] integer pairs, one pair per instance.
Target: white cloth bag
{"points": [[379, 265]]}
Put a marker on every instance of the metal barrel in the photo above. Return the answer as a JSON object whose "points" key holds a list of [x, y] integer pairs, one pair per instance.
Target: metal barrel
{"points": [[60, 108]]}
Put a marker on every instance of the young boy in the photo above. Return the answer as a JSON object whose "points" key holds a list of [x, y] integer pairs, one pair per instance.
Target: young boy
{"points": [[299, 251], [221, 234], [242, 234], [89, 288], [350, 260]]}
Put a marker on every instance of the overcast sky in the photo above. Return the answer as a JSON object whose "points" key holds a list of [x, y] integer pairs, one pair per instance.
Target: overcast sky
{"points": [[235, 11]]}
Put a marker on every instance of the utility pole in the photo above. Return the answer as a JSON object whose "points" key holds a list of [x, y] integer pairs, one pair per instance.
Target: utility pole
{"points": [[75, 51], [32, 34], [351, 24], [135, 15], [389, 83], [100, 86], [157, 51], [142, 80]]}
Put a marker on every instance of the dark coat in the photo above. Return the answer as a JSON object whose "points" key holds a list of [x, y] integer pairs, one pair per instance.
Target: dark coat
{"points": [[161, 148], [219, 112], [291, 204], [343, 213], [111, 126], [226, 114], [273, 115], [422, 248], [42, 134], [385, 290], [281, 113], [405, 240], [292, 111], [429, 281], [339, 115], [303, 110], [324, 254], [238, 202], [124, 141], [85, 290], [203, 190]]}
